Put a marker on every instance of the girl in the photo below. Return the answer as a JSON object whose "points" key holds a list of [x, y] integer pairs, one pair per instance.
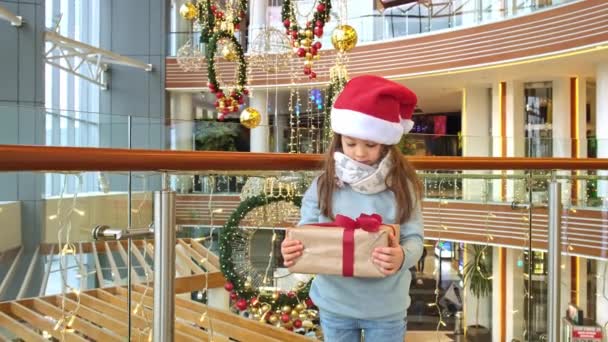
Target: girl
{"points": [[365, 172]]}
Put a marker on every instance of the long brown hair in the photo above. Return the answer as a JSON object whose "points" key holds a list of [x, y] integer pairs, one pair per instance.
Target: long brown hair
{"points": [[401, 177]]}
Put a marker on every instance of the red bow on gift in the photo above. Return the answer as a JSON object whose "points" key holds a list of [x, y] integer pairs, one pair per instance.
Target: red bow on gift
{"points": [[369, 223]]}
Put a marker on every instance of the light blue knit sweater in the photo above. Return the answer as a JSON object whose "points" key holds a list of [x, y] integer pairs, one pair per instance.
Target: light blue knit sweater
{"points": [[366, 298]]}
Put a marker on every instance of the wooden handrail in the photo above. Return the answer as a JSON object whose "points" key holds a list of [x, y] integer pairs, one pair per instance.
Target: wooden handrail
{"points": [[47, 158]]}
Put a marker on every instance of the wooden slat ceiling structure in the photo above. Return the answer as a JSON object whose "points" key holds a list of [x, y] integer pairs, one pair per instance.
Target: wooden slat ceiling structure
{"points": [[585, 231], [102, 312], [578, 25]]}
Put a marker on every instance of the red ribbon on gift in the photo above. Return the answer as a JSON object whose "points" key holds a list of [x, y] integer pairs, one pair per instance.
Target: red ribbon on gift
{"points": [[369, 223]]}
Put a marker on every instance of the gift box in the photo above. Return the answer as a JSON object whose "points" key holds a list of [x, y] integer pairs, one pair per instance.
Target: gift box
{"points": [[343, 247]]}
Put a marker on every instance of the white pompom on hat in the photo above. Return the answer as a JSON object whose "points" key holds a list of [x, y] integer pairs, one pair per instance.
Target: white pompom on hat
{"points": [[375, 109]]}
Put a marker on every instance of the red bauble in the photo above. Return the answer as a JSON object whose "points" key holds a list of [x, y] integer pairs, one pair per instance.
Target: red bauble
{"points": [[233, 296], [291, 294], [226, 110], [241, 304], [294, 34], [219, 94], [211, 87], [246, 91], [213, 8], [319, 23], [241, 100], [285, 318], [320, 8], [301, 52], [228, 286], [317, 45], [254, 301], [307, 71], [313, 50], [286, 23], [312, 75], [318, 31], [309, 302], [297, 323]]}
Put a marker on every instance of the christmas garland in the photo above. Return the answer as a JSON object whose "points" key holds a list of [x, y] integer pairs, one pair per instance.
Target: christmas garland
{"points": [[241, 292], [226, 103], [209, 16], [302, 38]]}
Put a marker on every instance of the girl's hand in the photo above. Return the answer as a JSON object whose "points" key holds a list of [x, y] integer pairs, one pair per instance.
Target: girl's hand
{"points": [[390, 258], [291, 250]]}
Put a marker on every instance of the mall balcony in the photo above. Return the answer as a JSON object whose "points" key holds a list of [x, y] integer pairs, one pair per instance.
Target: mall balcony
{"points": [[129, 210]]}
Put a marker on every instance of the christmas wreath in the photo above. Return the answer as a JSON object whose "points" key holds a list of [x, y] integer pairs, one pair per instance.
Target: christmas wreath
{"points": [[227, 103], [271, 306], [303, 38]]}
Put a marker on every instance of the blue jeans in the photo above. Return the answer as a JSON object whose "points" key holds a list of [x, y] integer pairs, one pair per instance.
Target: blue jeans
{"points": [[344, 329]]}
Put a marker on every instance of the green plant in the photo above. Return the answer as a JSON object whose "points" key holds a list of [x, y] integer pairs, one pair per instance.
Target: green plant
{"points": [[407, 145], [216, 136], [477, 274]]}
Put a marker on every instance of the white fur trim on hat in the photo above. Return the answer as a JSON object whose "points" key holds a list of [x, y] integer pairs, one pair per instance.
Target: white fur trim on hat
{"points": [[362, 126], [407, 125]]}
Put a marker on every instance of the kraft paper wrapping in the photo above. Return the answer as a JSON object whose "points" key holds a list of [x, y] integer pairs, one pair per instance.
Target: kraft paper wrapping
{"points": [[322, 252]]}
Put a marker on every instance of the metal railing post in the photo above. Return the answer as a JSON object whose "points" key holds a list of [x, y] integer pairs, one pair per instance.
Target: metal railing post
{"points": [[555, 239], [164, 266]]}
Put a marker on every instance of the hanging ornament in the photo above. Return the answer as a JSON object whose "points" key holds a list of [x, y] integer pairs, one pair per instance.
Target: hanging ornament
{"points": [[230, 101], [250, 118], [229, 53], [188, 11], [303, 39], [344, 38]]}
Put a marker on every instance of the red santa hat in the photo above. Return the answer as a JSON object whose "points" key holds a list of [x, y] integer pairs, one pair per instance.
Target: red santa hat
{"points": [[373, 108]]}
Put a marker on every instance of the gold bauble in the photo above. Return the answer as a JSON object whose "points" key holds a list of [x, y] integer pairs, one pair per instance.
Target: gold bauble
{"points": [[307, 42], [313, 314], [308, 64], [300, 307], [228, 53], [300, 284], [265, 307], [251, 118], [247, 284], [344, 38], [294, 314], [188, 11], [256, 316], [307, 324], [275, 295], [273, 319], [302, 316], [308, 33], [286, 309]]}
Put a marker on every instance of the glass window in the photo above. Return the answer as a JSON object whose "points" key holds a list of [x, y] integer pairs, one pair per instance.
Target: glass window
{"points": [[69, 99]]}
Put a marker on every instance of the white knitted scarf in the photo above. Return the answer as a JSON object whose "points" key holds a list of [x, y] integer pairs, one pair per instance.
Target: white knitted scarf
{"points": [[366, 179]]}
